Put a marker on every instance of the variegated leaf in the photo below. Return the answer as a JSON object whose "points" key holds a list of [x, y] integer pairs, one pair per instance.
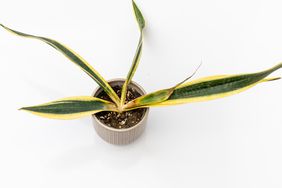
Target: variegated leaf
{"points": [[205, 89], [75, 58], [141, 23], [71, 108]]}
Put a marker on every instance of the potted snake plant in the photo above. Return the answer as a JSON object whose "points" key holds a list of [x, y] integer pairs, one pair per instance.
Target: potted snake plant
{"points": [[120, 107]]}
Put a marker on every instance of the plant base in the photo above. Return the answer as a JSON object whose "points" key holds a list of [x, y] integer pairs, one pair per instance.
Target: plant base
{"points": [[121, 128]]}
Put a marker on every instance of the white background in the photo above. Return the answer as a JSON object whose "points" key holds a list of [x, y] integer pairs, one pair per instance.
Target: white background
{"points": [[231, 142]]}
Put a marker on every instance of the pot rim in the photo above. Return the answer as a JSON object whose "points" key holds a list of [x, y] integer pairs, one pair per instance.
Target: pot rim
{"points": [[125, 129]]}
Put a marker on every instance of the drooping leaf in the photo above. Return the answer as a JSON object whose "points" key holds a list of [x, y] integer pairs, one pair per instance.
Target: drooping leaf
{"points": [[209, 88], [71, 108], [75, 58], [141, 23]]}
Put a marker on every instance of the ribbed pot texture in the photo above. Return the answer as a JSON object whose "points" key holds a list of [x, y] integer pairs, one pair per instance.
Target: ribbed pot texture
{"points": [[120, 136]]}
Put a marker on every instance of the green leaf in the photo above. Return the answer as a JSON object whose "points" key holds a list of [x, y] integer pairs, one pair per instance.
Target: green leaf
{"points": [[157, 96], [208, 88], [71, 108], [136, 59], [75, 58]]}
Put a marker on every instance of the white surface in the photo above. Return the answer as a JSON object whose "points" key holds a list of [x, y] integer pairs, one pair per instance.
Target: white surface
{"points": [[231, 142]]}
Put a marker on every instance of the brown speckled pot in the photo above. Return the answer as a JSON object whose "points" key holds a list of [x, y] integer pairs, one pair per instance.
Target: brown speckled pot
{"points": [[120, 136]]}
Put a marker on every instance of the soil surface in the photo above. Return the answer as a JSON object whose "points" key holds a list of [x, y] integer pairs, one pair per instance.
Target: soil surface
{"points": [[125, 119]]}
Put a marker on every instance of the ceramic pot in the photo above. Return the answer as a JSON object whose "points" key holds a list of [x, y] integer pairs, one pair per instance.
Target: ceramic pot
{"points": [[120, 136]]}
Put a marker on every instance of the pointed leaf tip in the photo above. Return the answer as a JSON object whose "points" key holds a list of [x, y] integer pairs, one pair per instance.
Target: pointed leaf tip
{"points": [[138, 15], [71, 107], [273, 79]]}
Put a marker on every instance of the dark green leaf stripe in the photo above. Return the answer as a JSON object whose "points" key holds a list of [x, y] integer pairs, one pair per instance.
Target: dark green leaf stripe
{"points": [[220, 86], [70, 108], [75, 58], [67, 107]]}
